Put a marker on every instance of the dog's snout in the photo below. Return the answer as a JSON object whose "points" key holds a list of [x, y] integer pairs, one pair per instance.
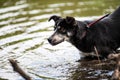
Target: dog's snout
{"points": [[55, 39], [49, 40]]}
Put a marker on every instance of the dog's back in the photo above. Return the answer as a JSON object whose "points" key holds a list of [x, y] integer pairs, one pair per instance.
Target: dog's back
{"points": [[112, 22], [105, 35], [116, 14]]}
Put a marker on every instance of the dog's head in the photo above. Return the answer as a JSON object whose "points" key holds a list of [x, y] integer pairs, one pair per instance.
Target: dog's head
{"points": [[64, 29]]}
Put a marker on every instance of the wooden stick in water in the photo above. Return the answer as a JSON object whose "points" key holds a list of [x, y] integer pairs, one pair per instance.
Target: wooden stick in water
{"points": [[97, 53], [17, 69]]}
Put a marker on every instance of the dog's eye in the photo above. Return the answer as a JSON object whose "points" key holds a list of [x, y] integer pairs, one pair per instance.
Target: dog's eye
{"points": [[61, 30]]}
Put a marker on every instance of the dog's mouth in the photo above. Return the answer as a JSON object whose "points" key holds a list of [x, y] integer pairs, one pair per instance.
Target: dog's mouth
{"points": [[54, 42]]}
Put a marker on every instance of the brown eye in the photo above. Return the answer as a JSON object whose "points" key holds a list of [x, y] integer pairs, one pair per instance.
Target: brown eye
{"points": [[63, 31]]}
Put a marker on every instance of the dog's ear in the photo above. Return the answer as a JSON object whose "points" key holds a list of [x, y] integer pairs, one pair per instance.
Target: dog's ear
{"points": [[70, 20], [82, 30], [83, 35], [54, 17]]}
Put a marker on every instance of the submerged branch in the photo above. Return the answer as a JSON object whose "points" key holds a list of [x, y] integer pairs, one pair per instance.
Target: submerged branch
{"points": [[116, 73]]}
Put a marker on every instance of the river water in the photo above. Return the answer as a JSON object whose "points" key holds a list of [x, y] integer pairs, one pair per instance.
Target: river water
{"points": [[24, 29]]}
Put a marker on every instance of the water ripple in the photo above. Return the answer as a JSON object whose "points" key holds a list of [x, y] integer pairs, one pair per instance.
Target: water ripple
{"points": [[13, 8], [24, 29]]}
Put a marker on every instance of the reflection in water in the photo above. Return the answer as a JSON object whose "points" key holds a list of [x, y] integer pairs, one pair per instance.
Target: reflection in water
{"points": [[93, 70], [24, 30]]}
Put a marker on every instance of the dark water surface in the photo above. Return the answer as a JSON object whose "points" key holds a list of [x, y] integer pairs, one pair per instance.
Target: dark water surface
{"points": [[24, 30]]}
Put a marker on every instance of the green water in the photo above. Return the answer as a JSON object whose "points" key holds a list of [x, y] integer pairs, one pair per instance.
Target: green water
{"points": [[24, 29]]}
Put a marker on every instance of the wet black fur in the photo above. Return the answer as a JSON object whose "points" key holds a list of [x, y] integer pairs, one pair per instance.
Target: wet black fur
{"points": [[105, 34]]}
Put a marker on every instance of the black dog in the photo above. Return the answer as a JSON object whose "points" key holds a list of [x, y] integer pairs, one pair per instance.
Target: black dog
{"points": [[104, 35]]}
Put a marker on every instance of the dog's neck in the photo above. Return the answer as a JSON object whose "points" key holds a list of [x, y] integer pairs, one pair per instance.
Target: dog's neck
{"points": [[80, 43]]}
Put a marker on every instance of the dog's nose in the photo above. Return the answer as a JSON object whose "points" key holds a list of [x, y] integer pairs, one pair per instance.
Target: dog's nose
{"points": [[49, 40]]}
